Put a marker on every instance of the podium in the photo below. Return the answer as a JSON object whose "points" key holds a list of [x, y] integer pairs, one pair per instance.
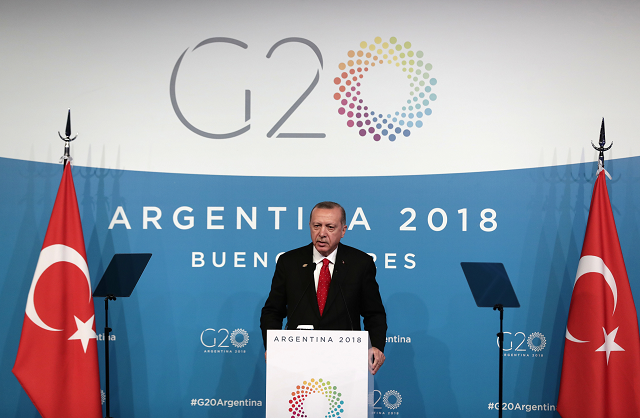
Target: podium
{"points": [[318, 374]]}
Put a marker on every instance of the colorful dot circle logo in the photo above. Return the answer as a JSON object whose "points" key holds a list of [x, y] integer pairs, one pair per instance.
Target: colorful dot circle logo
{"points": [[298, 396], [370, 121]]}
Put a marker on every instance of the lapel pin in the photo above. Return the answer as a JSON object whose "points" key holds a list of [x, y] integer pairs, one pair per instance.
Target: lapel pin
{"points": [[304, 265]]}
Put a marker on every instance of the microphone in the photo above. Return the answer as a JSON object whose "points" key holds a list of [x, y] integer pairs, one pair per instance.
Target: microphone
{"points": [[300, 300], [335, 269]]}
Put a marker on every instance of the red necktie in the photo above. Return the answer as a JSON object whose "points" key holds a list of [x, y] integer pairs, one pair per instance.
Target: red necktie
{"points": [[323, 284]]}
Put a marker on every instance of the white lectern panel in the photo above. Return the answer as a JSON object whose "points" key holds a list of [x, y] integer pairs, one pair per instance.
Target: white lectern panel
{"points": [[318, 374]]}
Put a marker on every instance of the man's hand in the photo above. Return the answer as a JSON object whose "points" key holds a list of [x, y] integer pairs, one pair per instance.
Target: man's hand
{"points": [[376, 359], [265, 356]]}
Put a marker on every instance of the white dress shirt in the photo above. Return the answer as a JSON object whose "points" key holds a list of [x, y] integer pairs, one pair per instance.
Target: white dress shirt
{"points": [[317, 259]]}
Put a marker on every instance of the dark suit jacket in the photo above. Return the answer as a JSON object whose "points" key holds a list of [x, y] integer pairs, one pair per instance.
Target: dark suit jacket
{"points": [[293, 295]]}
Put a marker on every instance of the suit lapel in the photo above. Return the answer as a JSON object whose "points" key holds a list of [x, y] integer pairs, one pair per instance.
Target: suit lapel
{"points": [[309, 270]]}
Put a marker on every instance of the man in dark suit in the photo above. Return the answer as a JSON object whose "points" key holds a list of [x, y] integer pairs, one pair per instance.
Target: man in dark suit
{"points": [[329, 295]]}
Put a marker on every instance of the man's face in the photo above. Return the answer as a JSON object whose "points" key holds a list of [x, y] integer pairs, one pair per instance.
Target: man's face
{"points": [[326, 229]]}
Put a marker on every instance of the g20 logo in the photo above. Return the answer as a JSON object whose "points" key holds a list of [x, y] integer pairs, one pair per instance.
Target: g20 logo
{"points": [[516, 342], [359, 115], [210, 338]]}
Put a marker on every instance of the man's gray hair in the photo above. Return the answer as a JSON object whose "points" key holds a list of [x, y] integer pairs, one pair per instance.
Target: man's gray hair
{"points": [[330, 205]]}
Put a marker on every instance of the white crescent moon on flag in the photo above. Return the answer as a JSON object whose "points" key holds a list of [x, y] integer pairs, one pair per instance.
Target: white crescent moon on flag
{"points": [[593, 264], [49, 256]]}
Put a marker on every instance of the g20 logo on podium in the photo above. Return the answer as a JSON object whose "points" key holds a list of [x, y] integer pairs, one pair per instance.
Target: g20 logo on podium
{"points": [[374, 122], [320, 387]]}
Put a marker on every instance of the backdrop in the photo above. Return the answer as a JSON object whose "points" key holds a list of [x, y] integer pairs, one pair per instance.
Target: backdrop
{"points": [[208, 130]]}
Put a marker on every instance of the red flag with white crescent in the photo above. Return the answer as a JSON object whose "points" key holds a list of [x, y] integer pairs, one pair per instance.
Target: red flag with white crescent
{"points": [[601, 364], [57, 361]]}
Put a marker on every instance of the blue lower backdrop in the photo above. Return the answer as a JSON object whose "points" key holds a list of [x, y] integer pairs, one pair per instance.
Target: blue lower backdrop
{"points": [[187, 342]]}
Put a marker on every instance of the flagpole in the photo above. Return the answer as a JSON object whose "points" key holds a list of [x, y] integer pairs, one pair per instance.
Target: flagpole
{"points": [[67, 141], [46, 354], [600, 377], [66, 158]]}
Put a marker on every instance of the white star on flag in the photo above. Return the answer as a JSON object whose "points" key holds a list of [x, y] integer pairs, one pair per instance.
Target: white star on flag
{"points": [[610, 345], [85, 332]]}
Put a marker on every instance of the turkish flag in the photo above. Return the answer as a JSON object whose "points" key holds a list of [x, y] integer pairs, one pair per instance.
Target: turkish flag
{"points": [[601, 365], [57, 362]]}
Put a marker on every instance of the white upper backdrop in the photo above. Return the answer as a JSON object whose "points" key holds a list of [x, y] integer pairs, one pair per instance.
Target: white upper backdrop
{"points": [[519, 84]]}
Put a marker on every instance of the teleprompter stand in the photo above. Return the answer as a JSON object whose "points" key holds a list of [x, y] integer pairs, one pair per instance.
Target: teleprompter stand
{"points": [[118, 280], [491, 288]]}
